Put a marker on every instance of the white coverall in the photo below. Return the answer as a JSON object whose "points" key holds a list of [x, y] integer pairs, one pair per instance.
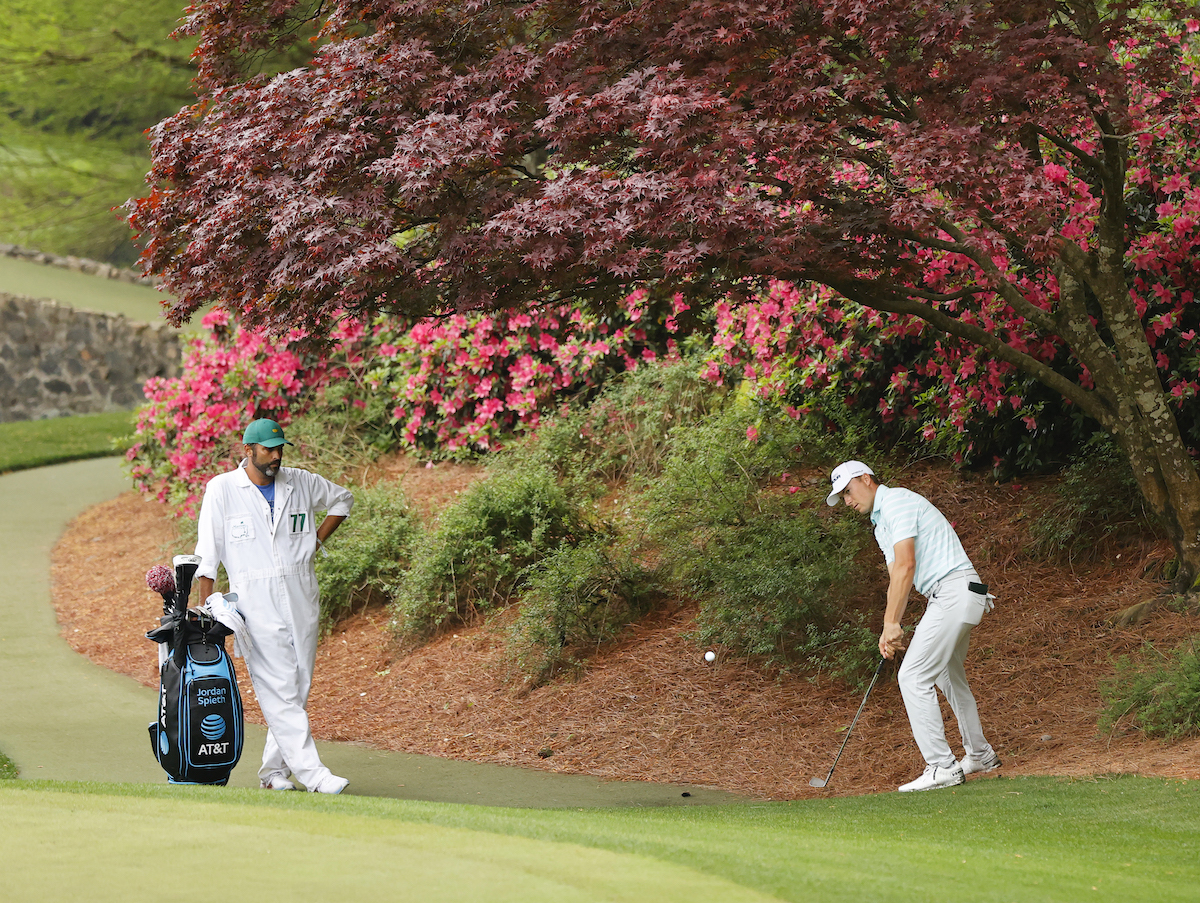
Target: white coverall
{"points": [[270, 564]]}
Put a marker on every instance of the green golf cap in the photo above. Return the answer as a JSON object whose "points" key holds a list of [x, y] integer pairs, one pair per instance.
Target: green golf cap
{"points": [[265, 432]]}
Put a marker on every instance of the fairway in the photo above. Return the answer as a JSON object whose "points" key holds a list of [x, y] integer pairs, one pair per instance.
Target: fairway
{"points": [[36, 443], [121, 851], [425, 829], [82, 290], [1030, 839]]}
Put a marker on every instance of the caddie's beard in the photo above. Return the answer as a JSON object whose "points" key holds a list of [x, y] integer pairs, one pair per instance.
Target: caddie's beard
{"points": [[268, 468]]}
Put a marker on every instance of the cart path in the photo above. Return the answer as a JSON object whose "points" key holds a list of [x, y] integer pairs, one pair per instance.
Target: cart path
{"points": [[64, 718]]}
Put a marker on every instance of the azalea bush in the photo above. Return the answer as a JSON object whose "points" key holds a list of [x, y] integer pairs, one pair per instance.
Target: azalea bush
{"points": [[459, 385], [443, 387], [621, 435], [189, 429], [818, 356]]}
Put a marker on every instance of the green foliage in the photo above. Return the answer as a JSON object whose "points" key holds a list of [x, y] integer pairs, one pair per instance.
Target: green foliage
{"points": [[623, 431], [576, 599], [772, 586], [471, 562], [369, 551], [1098, 499], [734, 525], [1162, 695], [339, 435], [713, 469], [80, 82], [36, 443], [95, 67], [8, 769]]}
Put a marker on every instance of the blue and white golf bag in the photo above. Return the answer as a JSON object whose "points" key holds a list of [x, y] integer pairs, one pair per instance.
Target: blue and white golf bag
{"points": [[197, 737]]}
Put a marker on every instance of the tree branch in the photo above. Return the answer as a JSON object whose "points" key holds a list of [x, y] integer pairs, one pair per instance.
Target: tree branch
{"points": [[890, 299]]}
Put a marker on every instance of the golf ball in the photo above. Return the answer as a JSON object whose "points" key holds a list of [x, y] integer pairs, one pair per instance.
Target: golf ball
{"points": [[710, 656]]}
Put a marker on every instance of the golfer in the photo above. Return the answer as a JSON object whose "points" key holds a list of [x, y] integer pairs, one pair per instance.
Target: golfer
{"points": [[258, 520], [923, 551]]}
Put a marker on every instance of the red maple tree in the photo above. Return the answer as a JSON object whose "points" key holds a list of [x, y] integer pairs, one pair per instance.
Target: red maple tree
{"points": [[964, 163]]}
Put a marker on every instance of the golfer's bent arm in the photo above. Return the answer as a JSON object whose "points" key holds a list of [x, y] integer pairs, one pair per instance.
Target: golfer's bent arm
{"points": [[901, 572]]}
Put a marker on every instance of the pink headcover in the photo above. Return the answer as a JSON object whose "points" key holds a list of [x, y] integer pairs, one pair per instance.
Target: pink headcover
{"points": [[160, 579]]}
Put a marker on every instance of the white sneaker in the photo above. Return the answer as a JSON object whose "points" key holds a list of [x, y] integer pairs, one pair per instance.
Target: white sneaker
{"points": [[330, 784], [936, 776], [276, 780], [990, 762]]}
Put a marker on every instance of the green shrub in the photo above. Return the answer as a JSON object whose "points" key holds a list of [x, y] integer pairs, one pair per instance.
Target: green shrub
{"points": [[472, 560], [1162, 696], [369, 551], [576, 599], [8, 769], [1098, 499], [341, 434], [713, 469], [773, 586], [738, 528], [623, 431]]}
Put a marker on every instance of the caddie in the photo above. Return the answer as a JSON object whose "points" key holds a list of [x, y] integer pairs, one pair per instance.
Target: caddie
{"points": [[259, 521], [923, 551]]}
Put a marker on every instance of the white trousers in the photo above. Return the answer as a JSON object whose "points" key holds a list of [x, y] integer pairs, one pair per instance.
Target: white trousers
{"points": [[934, 659], [281, 615]]}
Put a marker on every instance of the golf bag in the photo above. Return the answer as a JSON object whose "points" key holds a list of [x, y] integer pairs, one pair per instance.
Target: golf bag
{"points": [[197, 738]]}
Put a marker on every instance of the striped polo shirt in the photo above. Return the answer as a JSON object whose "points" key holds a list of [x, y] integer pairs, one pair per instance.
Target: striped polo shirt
{"points": [[902, 514]]}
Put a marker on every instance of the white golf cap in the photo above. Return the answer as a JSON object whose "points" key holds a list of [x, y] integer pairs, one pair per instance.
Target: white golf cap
{"points": [[842, 475]]}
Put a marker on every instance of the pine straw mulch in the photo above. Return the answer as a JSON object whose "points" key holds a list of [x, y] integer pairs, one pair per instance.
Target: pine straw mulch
{"points": [[648, 707]]}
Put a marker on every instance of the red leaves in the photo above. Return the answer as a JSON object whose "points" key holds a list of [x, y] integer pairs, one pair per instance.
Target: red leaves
{"points": [[455, 155]]}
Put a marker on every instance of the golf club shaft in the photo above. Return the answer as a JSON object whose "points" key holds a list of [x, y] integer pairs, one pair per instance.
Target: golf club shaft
{"points": [[861, 706]]}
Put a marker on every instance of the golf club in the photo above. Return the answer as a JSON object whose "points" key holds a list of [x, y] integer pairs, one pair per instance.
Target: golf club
{"points": [[185, 569], [821, 782]]}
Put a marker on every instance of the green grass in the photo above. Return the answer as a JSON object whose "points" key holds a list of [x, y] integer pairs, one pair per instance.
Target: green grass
{"points": [[36, 443], [1036, 839], [141, 303]]}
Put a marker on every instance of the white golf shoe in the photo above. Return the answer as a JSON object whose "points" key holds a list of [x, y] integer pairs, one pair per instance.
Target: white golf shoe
{"points": [[936, 776], [330, 784], [276, 780], [987, 763]]}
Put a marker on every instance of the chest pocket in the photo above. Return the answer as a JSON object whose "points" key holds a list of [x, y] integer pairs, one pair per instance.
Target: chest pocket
{"points": [[239, 528], [297, 522]]}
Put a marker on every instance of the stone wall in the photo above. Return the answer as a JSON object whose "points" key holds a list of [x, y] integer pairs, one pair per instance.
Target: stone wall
{"points": [[56, 360]]}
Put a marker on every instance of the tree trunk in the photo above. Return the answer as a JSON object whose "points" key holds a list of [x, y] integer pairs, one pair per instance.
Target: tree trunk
{"points": [[1133, 405], [1172, 490]]}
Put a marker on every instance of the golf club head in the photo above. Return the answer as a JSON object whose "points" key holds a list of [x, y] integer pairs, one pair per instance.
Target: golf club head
{"points": [[818, 782], [185, 569]]}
